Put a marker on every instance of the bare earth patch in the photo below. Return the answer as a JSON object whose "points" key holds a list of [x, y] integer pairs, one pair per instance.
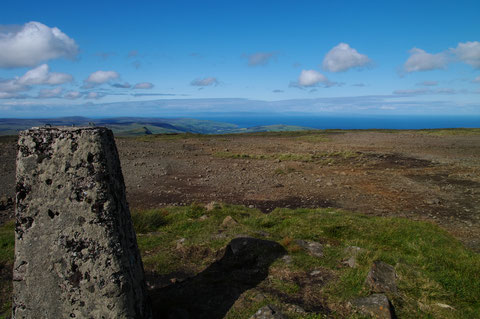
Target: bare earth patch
{"points": [[406, 173]]}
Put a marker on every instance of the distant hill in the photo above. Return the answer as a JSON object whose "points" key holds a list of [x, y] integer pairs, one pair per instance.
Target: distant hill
{"points": [[134, 126]]}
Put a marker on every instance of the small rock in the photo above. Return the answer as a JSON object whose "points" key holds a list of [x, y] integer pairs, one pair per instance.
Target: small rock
{"points": [[313, 248], [315, 273], [295, 309], [211, 206], [251, 206], [376, 305], [229, 222], [287, 259], [445, 306], [432, 201], [268, 312], [381, 277], [352, 253], [180, 243], [203, 217]]}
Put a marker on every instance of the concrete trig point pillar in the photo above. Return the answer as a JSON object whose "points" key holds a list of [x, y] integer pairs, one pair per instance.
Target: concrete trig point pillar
{"points": [[76, 254]]}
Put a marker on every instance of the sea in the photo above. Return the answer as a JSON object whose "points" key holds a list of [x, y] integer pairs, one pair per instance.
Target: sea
{"points": [[352, 122]]}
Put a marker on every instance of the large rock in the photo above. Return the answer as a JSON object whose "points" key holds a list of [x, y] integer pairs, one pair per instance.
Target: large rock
{"points": [[76, 254], [381, 277]]}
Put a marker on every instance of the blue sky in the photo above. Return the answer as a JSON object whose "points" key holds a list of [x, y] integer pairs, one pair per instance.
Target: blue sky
{"points": [[116, 58]]}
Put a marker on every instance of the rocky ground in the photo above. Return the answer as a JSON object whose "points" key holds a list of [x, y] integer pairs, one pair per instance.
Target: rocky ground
{"points": [[407, 174]]}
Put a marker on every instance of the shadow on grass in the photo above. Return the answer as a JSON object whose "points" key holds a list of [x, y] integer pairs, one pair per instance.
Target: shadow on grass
{"points": [[211, 293]]}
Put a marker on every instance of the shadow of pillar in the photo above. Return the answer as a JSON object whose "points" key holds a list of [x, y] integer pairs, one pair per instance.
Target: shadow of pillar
{"points": [[211, 293]]}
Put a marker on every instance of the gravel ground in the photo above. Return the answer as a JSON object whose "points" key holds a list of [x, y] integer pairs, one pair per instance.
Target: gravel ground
{"points": [[405, 174]]}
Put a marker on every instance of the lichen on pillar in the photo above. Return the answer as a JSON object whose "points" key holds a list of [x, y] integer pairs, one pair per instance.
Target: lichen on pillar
{"points": [[76, 254]]}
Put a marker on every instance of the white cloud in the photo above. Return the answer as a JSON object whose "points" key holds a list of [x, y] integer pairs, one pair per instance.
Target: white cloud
{"points": [[41, 75], [11, 86], [259, 58], [412, 92], [420, 60], [94, 95], [428, 83], [311, 78], [100, 77], [72, 95], [445, 91], [143, 85], [342, 57], [205, 82], [6, 95], [50, 93], [468, 52], [33, 43], [425, 91]]}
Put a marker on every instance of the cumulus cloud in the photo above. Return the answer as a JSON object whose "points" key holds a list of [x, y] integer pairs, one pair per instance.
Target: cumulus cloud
{"points": [[259, 58], [468, 52], [420, 60], [205, 82], [11, 86], [37, 76], [125, 85], [41, 75], [100, 77], [50, 93], [311, 78], [343, 57], [33, 43], [143, 85], [72, 95], [428, 83]]}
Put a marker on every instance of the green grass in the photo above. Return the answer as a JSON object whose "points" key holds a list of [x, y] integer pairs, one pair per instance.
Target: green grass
{"points": [[7, 247], [7, 243], [432, 266], [451, 131]]}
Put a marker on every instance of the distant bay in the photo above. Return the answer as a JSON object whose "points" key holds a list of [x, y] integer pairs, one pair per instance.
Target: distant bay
{"points": [[350, 122]]}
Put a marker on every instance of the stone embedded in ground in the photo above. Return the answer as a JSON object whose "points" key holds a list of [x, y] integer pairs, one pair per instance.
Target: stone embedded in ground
{"points": [[76, 253], [381, 277], [211, 206], [376, 305], [313, 248], [229, 222], [352, 253], [268, 312]]}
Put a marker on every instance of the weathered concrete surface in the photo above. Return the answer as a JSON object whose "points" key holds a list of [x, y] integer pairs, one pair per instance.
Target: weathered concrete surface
{"points": [[76, 254]]}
